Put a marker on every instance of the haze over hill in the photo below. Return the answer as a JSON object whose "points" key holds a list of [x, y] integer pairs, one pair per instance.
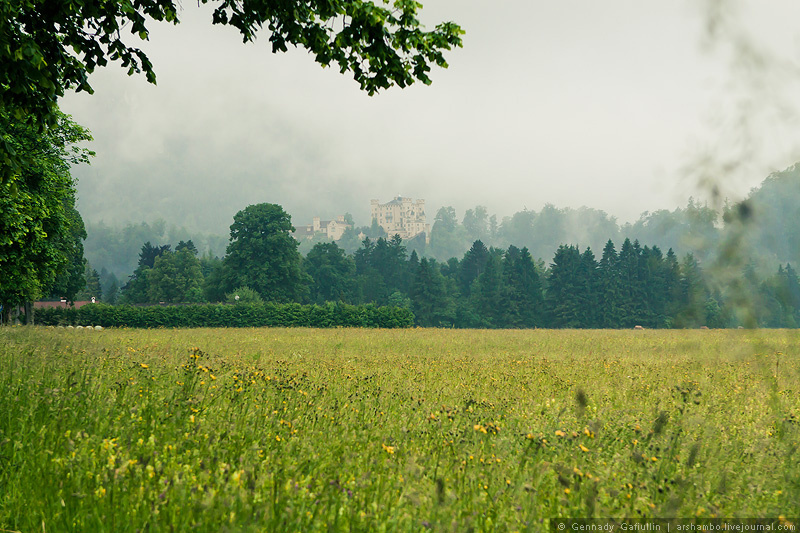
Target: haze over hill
{"points": [[769, 237], [607, 105]]}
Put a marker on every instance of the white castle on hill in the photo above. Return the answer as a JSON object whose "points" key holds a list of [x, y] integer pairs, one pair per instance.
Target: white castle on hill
{"points": [[401, 216]]}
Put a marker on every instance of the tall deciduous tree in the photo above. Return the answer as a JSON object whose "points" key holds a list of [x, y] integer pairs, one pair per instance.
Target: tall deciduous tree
{"points": [[136, 290], [476, 223], [176, 277], [331, 271], [263, 255], [39, 228], [72, 279], [448, 237]]}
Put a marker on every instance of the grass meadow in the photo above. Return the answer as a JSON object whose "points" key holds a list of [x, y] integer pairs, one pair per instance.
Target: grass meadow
{"points": [[392, 430]]}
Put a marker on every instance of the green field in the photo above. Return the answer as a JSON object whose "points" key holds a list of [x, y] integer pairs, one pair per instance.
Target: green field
{"points": [[392, 430]]}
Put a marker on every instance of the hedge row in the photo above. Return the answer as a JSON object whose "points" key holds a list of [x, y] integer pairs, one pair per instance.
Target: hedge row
{"points": [[233, 316]]}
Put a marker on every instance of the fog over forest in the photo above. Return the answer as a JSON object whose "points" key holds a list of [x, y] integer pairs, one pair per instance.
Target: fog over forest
{"points": [[623, 107]]}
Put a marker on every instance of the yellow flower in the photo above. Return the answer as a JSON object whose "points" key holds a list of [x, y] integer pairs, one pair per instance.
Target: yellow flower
{"points": [[388, 449], [478, 427], [583, 448], [566, 491], [144, 365], [560, 433]]}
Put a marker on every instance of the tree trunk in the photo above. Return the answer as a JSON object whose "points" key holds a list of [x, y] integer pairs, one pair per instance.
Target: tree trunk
{"points": [[29, 313], [5, 313]]}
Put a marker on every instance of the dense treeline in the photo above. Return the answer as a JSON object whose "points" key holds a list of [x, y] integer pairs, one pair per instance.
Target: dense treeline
{"points": [[770, 237], [766, 226], [491, 285], [115, 250], [486, 287], [241, 315]]}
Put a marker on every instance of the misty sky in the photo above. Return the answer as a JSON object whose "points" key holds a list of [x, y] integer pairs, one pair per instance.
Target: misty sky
{"points": [[606, 104]]}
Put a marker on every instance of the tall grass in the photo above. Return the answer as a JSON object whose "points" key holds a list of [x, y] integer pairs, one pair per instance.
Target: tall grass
{"points": [[392, 430]]}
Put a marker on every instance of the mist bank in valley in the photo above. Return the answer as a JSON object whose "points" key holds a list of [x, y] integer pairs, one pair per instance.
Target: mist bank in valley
{"points": [[765, 228]]}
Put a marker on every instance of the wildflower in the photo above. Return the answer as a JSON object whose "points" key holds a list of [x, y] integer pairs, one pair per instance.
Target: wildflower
{"points": [[566, 491], [143, 365], [583, 448], [560, 433], [479, 427], [388, 449]]}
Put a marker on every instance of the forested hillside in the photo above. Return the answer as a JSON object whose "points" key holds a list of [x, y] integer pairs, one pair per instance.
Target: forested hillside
{"points": [[575, 268]]}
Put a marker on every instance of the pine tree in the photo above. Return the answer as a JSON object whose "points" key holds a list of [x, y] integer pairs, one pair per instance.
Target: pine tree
{"points": [[487, 291], [627, 265], [92, 288], [562, 299], [410, 272], [693, 295], [331, 271], [659, 288], [588, 284], [429, 299], [610, 289], [529, 293], [672, 287], [472, 266]]}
